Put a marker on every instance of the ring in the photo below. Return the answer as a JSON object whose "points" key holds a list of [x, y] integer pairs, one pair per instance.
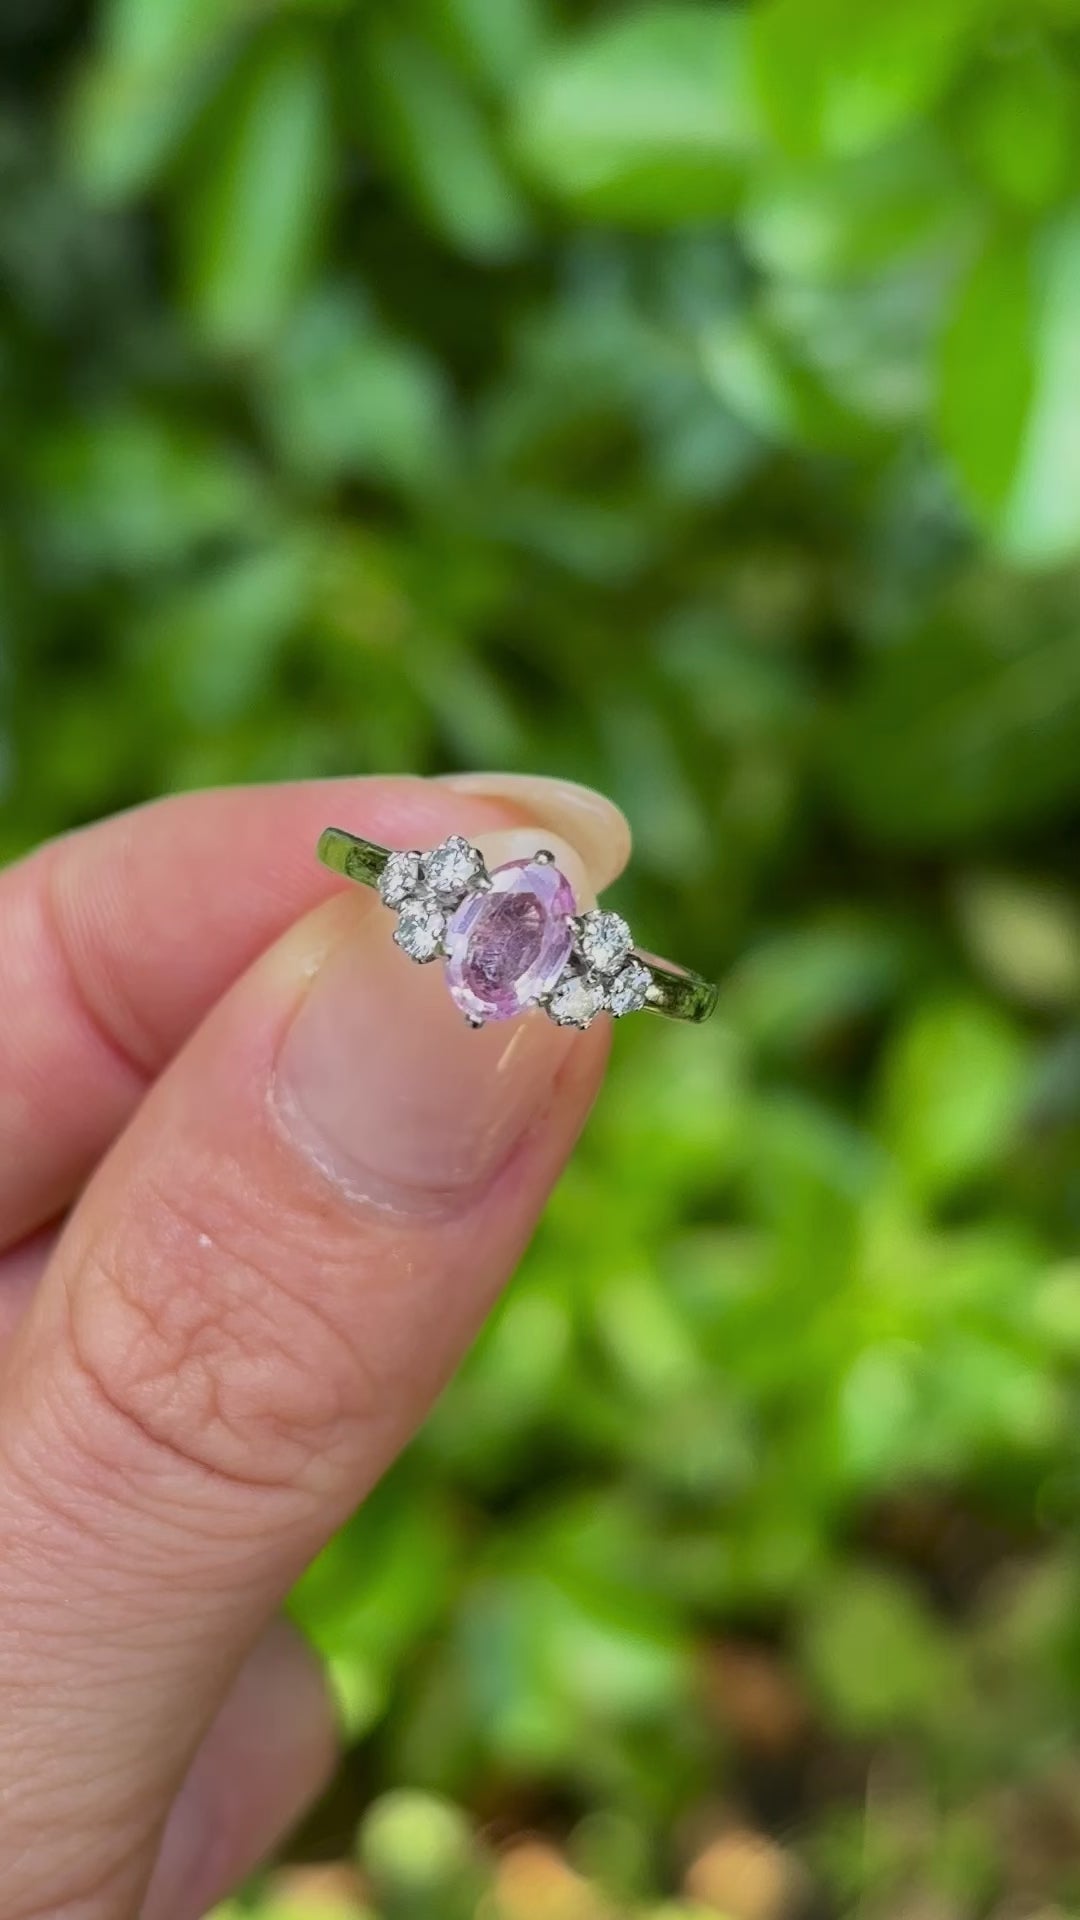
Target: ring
{"points": [[513, 938]]}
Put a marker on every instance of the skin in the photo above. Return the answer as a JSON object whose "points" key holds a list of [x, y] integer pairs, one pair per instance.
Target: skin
{"points": [[258, 1187]]}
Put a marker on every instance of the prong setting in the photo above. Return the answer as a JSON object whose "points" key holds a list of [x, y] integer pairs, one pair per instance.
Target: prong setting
{"points": [[603, 941], [425, 889], [628, 992], [452, 870], [420, 929], [601, 972], [575, 1000], [399, 877], [529, 949]]}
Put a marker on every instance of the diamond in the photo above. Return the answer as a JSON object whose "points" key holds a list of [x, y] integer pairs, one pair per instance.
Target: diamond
{"points": [[604, 940], [398, 878], [507, 946], [576, 1000], [629, 990], [420, 928], [451, 869]]}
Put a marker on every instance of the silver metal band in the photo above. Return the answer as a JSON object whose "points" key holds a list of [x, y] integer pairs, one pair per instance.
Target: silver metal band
{"points": [[673, 991]]}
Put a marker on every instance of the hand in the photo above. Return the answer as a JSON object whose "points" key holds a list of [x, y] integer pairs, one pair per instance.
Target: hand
{"points": [[290, 1182]]}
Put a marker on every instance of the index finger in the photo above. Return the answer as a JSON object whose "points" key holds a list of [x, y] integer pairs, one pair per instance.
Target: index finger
{"points": [[118, 939]]}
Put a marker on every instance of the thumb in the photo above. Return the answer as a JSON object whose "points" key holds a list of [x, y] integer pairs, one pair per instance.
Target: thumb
{"points": [[249, 1311]]}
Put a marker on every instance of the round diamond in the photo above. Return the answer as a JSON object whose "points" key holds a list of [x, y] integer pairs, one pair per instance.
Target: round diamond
{"points": [[604, 940], [420, 928], [576, 1000], [507, 946], [398, 878], [629, 990], [451, 869]]}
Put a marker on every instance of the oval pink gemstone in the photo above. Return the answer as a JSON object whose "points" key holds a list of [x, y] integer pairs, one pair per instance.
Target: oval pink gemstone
{"points": [[507, 946]]}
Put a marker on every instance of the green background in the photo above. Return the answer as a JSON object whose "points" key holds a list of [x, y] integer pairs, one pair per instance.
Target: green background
{"points": [[683, 399]]}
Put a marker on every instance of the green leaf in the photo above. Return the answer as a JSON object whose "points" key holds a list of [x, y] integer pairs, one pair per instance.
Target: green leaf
{"points": [[877, 1657], [1054, 1307], [834, 220], [214, 643], [968, 724], [344, 395], [253, 214], [750, 364], [379, 1583], [1016, 126], [139, 94], [416, 1844], [648, 119], [548, 1657], [124, 126], [952, 1091], [494, 46], [298, 1893], [136, 489], [840, 76], [988, 373], [1009, 397], [1025, 935], [794, 991], [439, 143]]}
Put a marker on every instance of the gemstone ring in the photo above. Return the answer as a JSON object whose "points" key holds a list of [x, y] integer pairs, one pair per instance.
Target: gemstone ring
{"points": [[513, 938]]}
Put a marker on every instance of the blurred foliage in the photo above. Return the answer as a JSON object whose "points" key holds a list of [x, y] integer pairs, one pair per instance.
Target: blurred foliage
{"points": [[684, 398]]}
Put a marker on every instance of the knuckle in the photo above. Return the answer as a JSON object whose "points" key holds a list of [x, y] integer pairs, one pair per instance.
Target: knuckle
{"points": [[207, 1333]]}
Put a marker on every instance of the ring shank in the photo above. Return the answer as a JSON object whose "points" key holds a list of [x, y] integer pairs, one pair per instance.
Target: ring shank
{"points": [[357, 859], [677, 993], [673, 991]]}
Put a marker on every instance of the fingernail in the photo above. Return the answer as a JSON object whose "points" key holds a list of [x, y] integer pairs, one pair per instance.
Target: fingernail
{"points": [[589, 820], [383, 1085]]}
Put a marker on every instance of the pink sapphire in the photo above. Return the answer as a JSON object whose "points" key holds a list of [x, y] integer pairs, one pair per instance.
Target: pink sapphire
{"points": [[509, 945]]}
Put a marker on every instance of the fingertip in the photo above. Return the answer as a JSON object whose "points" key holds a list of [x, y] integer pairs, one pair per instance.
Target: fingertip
{"points": [[591, 822], [270, 1752]]}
